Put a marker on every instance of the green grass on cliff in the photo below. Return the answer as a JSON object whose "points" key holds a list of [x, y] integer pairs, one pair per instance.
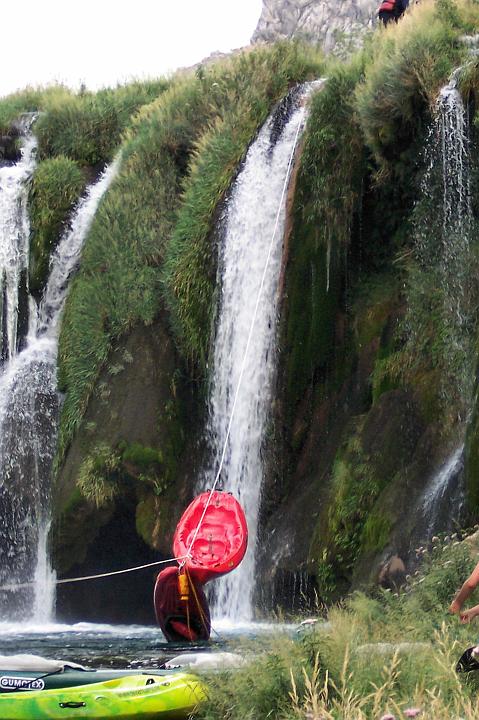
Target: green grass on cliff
{"points": [[376, 655], [406, 67], [56, 185], [189, 274], [196, 132], [328, 191], [77, 134], [87, 127]]}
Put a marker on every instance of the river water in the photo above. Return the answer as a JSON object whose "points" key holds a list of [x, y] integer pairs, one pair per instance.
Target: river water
{"points": [[123, 646]]}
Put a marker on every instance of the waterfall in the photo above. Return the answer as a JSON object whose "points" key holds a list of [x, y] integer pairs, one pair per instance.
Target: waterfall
{"points": [[29, 410], [444, 494], [444, 244], [246, 247], [457, 213], [14, 237]]}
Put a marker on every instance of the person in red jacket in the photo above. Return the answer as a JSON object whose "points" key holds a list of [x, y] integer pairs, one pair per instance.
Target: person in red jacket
{"points": [[467, 589], [390, 10]]}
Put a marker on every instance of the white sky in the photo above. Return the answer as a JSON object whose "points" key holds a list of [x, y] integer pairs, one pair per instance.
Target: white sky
{"points": [[102, 42]]}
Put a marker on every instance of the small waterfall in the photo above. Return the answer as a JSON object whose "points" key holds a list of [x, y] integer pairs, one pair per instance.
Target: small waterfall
{"points": [[250, 217], [443, 496], [444, 249], [457, 212], [443, 244], [14, 235], [29, 409]]}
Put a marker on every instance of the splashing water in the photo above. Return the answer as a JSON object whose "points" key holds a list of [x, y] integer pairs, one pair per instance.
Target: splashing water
{"points": [[29, 409], [246, 247]]}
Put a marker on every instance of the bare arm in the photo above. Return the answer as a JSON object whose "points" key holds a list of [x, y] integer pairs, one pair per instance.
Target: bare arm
{"points": [[467, 615], [465, 592]]}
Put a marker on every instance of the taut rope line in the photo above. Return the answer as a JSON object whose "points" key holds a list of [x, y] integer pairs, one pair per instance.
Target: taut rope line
{"points": [[65, 581]]}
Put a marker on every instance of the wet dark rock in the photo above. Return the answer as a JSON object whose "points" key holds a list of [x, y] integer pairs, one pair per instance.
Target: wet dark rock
{"points": [[9, 148]]}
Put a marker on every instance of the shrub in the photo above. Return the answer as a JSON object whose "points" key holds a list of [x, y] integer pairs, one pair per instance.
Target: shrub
{"points": [[98, 475]]}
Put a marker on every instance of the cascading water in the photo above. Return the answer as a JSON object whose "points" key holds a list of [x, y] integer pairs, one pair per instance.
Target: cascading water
{"points": [[443, 493], [255, 209], [444, 238], [448, 248], [457, 220], [14, 237], [29, 405]]}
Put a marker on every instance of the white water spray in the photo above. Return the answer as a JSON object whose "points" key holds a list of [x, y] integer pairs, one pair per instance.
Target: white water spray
{"points": [[440, 489], [256, 207], [29, 407]]}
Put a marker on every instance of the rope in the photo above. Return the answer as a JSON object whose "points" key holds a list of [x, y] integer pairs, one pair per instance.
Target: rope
{"points": [[65, 581], [248, 343]]}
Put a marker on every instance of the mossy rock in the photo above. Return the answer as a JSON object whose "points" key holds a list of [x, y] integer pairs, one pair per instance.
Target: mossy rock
{"points": [[147, 520], [391, 432], [376, 532]]}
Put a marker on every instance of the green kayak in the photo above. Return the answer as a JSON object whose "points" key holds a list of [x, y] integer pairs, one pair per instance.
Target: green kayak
{"points": [[140, 697]]}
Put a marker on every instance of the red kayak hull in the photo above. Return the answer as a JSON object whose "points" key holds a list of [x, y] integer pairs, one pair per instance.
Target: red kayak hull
{"points": [[181, 620], [222, 538]]}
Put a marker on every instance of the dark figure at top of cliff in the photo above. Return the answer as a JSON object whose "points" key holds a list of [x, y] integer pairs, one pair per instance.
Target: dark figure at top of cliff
{"points": [[390, 10]]}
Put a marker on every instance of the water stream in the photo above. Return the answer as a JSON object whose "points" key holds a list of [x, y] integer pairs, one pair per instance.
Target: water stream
{"points": [[447, 246], [252, 238], [14, 234], [443, 496], [29, 409]]}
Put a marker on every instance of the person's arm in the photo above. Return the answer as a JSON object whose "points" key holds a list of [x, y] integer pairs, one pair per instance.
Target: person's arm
{"points": [[467, 589], [469, 615]]}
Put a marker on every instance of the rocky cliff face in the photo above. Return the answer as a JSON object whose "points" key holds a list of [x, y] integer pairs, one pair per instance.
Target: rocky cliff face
{"points": [[335, 24]]}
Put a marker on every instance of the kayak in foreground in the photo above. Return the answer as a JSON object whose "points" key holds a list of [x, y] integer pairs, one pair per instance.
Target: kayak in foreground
{"points": [[148, 696]]}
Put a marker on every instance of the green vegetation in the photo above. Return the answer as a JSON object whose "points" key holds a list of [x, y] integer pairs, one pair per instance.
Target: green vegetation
{"points": [[77, 134], [376, 655], [29, 100], [405, 70], [56, 185], [349, 528], [327, 195], [365, 337], [88, 127], [143, 217], [99, 474], [106, 472], [243, 96]]}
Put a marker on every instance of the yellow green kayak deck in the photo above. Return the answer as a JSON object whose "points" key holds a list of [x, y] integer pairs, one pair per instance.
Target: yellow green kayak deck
{"points": [[142, 697]]}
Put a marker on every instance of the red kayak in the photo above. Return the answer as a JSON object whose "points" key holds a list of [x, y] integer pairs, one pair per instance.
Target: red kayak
{"points": [[222, 538], [181, 606]]}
